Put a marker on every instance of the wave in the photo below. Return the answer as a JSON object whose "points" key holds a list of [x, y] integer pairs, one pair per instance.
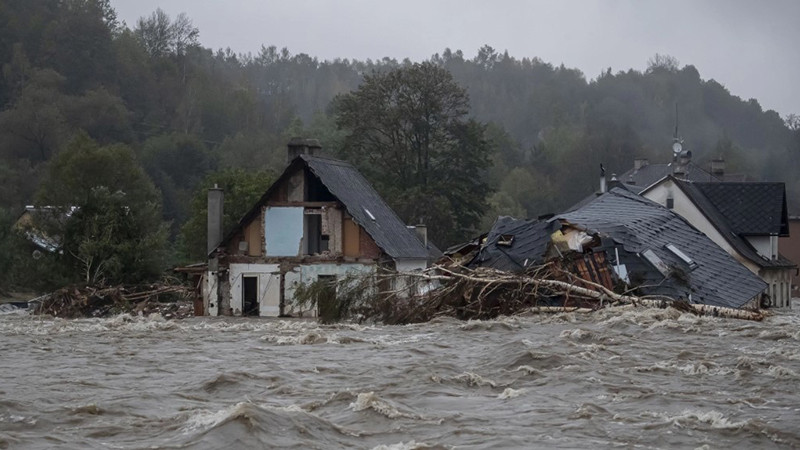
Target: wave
{"points": [[370, 400], [511, 393], [246, 424]]}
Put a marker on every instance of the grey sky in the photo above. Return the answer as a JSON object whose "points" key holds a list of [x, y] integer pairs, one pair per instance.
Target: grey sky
{"points": [[748, 46]]}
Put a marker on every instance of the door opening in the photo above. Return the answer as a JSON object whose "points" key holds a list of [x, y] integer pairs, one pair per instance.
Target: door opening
{"points": [[250, 295], [327, 307]]}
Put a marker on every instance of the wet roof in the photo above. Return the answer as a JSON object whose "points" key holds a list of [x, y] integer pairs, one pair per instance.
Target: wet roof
{"points": [[639, 225], [367, 208], [362, 202], [514, 244], [750, 208], [739, 209]]}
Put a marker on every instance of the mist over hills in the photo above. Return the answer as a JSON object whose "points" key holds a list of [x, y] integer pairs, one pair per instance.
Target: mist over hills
{"points": [[189, 111]]}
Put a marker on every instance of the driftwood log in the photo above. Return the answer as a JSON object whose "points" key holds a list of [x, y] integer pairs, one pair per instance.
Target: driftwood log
{"points": [[483, 292]]}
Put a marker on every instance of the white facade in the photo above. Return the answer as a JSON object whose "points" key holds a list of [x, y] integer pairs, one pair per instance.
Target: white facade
{"points": [[268, 282], [779, 280]]}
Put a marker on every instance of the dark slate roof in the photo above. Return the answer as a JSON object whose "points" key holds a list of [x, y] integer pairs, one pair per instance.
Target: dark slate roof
{"points": [[528, 247], [639, 179], [638, 224], [709, 208], [347, 184], [750, 208], [351, 188]]}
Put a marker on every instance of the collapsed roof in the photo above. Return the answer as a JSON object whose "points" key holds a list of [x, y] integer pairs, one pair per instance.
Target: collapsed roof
{"points": [[648, 245]]}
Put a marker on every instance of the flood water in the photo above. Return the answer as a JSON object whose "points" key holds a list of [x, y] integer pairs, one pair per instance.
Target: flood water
{"points": [[633, 378]]}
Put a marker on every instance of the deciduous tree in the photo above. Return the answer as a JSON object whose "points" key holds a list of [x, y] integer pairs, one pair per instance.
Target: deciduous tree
{"points": [[408, 130]]}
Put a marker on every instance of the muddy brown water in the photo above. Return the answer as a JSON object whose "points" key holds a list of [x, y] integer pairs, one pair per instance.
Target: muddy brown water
{"points": [[631, 378]]}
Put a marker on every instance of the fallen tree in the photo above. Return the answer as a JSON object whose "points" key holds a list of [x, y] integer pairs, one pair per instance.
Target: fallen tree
{"points": [[483, 293]]}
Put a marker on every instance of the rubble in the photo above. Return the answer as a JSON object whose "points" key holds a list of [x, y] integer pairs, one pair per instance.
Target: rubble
{"points": [[170, 301], [485, 293]]}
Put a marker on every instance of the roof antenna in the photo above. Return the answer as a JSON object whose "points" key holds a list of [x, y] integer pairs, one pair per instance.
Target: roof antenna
{"points": [[677, 143]]}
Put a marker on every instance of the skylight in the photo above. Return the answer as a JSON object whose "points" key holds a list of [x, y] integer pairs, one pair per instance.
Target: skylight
{"points": [[651, 256], [685, 258], [369, 214]]}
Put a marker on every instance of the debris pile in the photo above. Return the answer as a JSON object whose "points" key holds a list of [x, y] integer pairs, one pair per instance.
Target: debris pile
{"points": [[485, 293], [73, 302]]}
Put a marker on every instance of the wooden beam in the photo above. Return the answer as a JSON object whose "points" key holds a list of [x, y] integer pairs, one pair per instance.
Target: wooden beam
{"points": [[304, 204]]}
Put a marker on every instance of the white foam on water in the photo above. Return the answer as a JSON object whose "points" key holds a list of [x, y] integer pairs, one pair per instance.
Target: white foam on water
{"points": [[690, 417], [204, 419], [370, 400], [577, 334], [510, 393], [783, 373], [528, 370], [473, 379], [410, 445]]}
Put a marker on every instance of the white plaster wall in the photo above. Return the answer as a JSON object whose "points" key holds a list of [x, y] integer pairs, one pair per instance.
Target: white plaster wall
{"points": [[269, 294], [210, 294], [779, 287], [410, 265], [762, 244], [235, 274], [684, 207], [309, 274]]}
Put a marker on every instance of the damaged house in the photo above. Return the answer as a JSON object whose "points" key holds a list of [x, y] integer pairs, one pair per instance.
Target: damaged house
{"points": [[746, 219], [623, 238], [320, 220]]}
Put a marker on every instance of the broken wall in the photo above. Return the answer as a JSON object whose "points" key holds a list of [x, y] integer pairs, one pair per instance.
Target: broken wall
{"points": [[307, 274], [283, 230], [268, 289]]}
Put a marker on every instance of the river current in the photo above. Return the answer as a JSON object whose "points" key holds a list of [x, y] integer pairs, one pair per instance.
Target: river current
{"points": [[632, 378]]}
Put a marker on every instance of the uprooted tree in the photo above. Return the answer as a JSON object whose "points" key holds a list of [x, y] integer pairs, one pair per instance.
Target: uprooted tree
{"points": [[481, 293]]}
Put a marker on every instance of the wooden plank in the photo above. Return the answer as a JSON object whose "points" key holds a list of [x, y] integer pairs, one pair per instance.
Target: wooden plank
{"points": [[350, 232]]}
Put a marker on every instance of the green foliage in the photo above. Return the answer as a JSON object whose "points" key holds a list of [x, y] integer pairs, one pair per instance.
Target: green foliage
{"points": [[111, 240], [177, 164], [188, 111], [347, 297], [408, 131], [106, 214], [242, 190]]}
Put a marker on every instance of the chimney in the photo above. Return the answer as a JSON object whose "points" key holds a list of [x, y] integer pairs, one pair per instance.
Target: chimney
{"points": [[638, 163], [686, 157], [298, 146], [422, 233], [215, 203], [718, 167], [314, 147], [681, 168], [602, 179]]}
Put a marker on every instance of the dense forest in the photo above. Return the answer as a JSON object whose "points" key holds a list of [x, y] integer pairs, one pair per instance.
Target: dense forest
{"points": [[159, 117]]}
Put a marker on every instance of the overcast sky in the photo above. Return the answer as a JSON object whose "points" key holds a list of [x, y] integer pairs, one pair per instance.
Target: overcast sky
{"points": [[751, 47]]}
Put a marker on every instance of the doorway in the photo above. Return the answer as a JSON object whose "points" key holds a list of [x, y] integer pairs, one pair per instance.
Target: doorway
{"points": [[249, 295]]}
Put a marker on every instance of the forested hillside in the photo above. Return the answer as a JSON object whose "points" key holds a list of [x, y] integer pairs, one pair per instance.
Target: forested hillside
{"points": [[187, 113]]}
